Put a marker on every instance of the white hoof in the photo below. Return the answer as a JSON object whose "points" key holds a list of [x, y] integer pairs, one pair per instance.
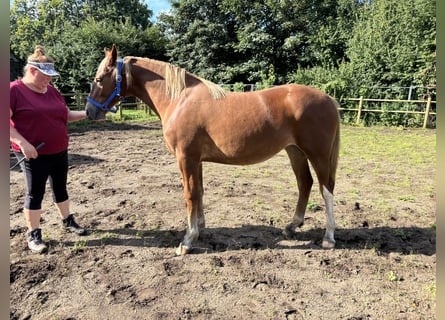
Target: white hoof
{"points": [[328, 244], [182, 250]]}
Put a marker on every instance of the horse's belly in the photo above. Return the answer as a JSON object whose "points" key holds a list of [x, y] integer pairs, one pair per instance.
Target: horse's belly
{"points": [[245, 150]]}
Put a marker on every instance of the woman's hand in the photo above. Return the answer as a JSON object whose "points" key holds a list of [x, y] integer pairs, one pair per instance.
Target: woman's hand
{"points": [[28, 150]]}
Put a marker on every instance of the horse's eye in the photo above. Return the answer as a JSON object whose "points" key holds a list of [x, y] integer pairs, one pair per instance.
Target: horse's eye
{"points": [[99, 80]]}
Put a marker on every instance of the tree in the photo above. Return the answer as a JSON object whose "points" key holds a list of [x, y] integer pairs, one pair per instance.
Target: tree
{"points": [[201, 37], [393, 43], [241, 40], [76, 32]]}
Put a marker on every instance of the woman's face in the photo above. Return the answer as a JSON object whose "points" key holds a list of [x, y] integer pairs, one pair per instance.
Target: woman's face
{"points": [[41, 80]]}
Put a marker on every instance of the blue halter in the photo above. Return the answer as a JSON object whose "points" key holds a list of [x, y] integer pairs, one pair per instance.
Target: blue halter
{"points": [[115, 93]]}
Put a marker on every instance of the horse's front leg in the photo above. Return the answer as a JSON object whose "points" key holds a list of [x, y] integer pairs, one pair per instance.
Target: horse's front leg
{"points": [[201, 217], [191, 172]]}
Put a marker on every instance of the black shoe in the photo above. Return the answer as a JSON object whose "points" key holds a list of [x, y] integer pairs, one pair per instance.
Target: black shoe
{"points": [[35, 242], [72, 226]]}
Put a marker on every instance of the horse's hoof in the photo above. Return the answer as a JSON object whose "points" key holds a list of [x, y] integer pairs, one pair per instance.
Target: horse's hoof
{"points": [[328, 244], [289, 232], [182, 250]]}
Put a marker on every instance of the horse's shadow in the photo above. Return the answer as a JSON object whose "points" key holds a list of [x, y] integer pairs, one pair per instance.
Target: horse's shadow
{"points": [[384, 240], [87, 126]]}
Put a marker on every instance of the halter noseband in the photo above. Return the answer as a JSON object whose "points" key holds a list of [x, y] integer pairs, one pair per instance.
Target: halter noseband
{"points": [[115, 93]]}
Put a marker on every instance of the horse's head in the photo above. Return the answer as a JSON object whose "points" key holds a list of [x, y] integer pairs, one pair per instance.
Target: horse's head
{"points": [[105, 89]]}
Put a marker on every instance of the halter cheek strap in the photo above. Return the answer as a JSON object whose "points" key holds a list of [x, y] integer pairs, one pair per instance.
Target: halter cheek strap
{"points": [[115, 93]]}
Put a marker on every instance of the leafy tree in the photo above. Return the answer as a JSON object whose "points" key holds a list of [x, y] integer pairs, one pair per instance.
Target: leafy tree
{"points": [[393, 43], [238, 40], [80, 50], [76, 32], [201, 37]]}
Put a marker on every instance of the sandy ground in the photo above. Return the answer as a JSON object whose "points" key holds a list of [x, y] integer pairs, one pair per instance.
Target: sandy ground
{"points": [[126, 189]]}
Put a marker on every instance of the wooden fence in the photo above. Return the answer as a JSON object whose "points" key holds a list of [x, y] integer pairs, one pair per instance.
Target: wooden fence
{"points": [[361, 109], [426, 106]]}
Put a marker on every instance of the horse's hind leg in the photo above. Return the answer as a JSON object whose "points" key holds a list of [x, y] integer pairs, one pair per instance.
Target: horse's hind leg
{"points": [[300, 166], [328, 240], [326, 188]]}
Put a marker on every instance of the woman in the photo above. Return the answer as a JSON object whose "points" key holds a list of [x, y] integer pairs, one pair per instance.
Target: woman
{"points": [[39, 116]]}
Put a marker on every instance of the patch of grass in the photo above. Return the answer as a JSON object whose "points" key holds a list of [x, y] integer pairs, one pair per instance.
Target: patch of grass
{"points": [[107, 235], [401, 234], [45, 236], [131, 115], [128, 116], [383, 168], [140, 234], [258, 201], [79, 245], [392, 276], [407, 198], [432, 288], [313, 206]]}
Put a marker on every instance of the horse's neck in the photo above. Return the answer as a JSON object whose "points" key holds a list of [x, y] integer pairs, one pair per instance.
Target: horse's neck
{"points": [[148, 84]]}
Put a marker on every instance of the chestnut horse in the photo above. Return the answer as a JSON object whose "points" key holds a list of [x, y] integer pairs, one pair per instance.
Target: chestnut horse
{"points": [[202, 122]]}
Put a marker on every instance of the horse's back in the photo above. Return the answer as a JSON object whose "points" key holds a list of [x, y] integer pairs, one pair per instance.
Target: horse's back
{"points": [[300, 103], [245, 128]]}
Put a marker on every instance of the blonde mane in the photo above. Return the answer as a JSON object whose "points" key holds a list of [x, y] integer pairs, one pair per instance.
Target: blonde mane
{"points": [[175, 79]]}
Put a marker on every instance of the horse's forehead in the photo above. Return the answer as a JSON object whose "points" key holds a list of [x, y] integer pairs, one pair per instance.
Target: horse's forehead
{"points": [[102, 66]]}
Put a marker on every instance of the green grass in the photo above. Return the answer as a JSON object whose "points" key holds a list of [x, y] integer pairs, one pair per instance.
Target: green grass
{"points": [[79, 245], [390, 170], [127, 116]]}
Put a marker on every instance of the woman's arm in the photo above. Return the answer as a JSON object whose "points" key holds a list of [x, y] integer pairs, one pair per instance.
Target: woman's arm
{"points": [[76, 115], [28, 150]]}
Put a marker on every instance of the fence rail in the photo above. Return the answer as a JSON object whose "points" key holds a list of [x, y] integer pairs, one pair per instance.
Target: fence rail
{"points": [[79, 100], [360, 109]]}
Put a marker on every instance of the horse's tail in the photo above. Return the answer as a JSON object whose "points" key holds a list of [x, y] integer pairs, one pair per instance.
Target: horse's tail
{"points": [[334, 152]]}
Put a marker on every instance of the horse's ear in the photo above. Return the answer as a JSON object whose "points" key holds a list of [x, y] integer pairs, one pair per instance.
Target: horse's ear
{"points": [[107, 52], [113, 54]]}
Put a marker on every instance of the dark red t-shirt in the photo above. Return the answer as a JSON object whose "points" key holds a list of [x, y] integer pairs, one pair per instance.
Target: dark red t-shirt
{"points": [[39, 117]]}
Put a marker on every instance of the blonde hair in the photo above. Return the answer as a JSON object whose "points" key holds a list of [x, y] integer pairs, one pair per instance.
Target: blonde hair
{"points": [[175, 79], [38, 56]]}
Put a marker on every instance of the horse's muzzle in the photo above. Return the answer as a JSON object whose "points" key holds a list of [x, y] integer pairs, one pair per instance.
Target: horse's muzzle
{"points": [[94, 113]]}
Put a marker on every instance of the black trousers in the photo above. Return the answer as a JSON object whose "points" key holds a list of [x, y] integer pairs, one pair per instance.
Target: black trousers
{"points": [[37, 172]]}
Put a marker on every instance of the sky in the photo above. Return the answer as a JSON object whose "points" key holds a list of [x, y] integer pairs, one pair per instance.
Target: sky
{"points": [[157, 6]]}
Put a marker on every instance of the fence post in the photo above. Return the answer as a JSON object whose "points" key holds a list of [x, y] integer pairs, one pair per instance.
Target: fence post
{"points": [[78, 100], [360, 106], [427, 112]]}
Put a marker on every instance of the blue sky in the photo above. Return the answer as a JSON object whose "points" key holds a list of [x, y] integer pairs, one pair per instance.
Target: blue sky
{"points": [[157, 6]]}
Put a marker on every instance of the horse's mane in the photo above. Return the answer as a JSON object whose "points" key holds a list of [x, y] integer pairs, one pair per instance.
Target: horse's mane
{"points": [[175, 79]]}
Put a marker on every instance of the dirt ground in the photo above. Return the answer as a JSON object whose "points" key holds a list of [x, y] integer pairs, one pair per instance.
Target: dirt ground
{"points": [[126, 189]]}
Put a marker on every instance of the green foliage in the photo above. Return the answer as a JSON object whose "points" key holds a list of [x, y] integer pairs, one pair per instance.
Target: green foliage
{"points": [[233, 41], [75, 34], [347, 48], [238, 87], [266, 80], [391, 40]]}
